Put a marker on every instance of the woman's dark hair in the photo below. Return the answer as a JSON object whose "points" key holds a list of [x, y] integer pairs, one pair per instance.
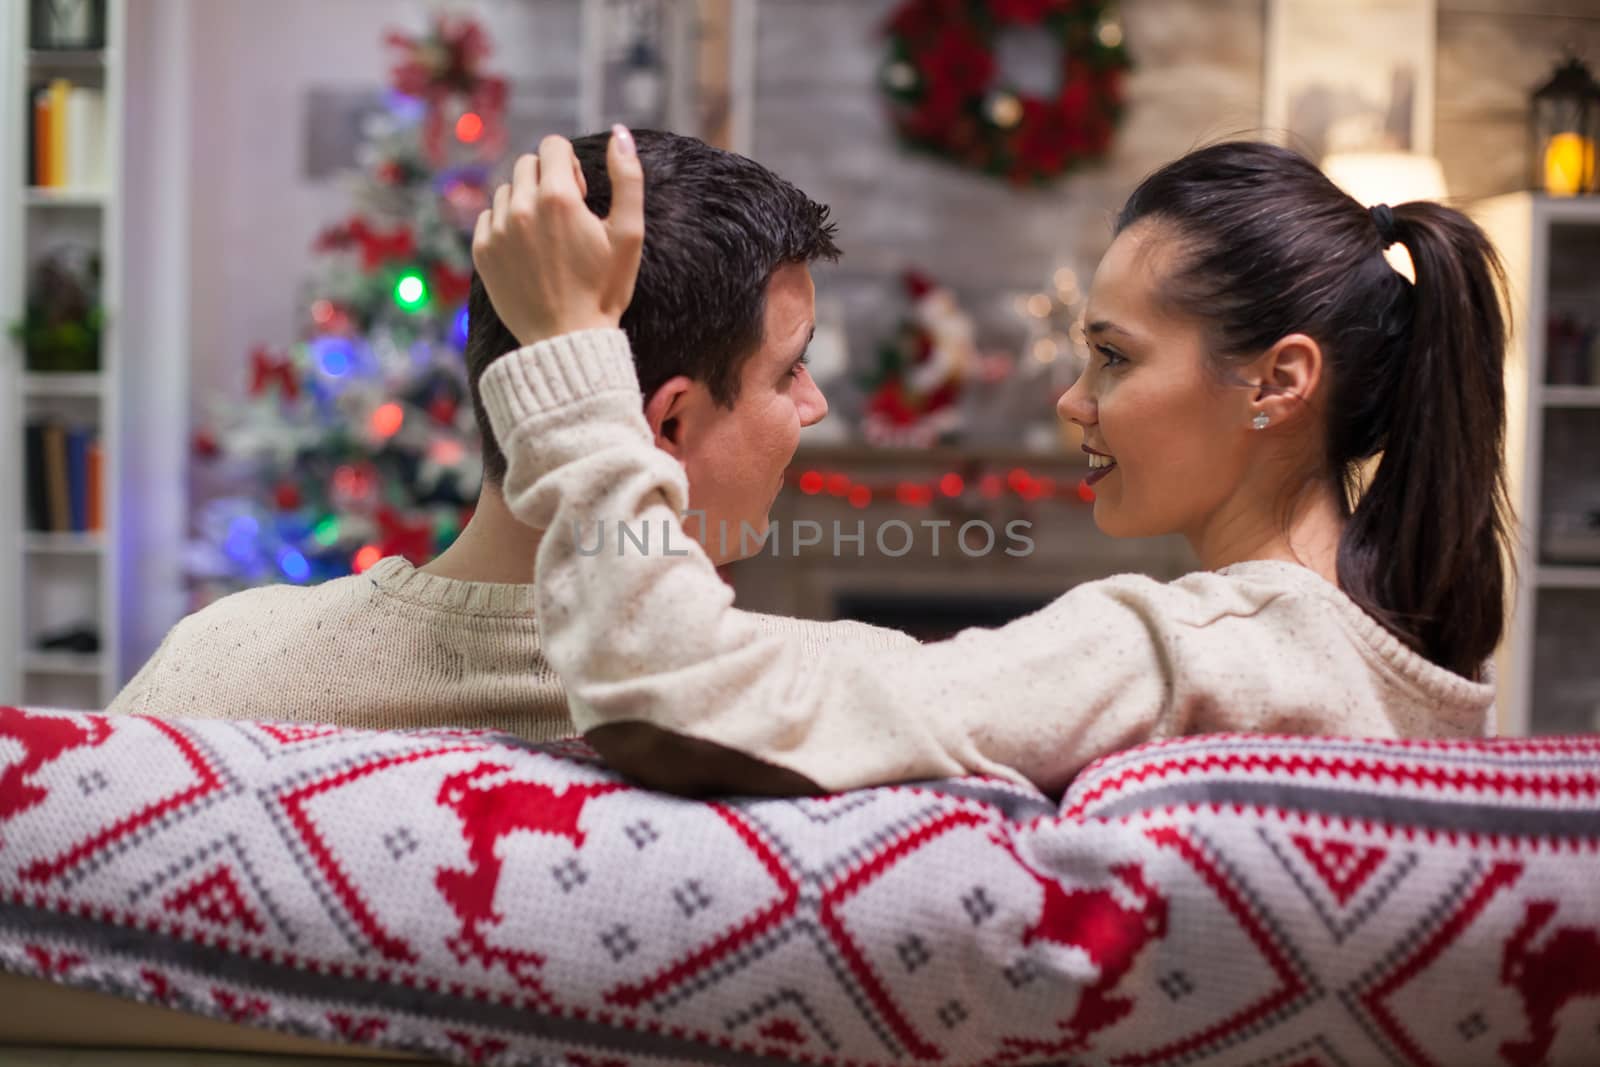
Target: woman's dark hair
{"points": [[1268, 246], [716, 227]]}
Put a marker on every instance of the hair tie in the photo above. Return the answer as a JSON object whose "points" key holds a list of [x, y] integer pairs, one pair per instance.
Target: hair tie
{"points": [[1383, 218]]}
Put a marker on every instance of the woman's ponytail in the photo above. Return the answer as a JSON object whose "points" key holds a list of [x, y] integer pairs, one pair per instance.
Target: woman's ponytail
{"points": [[1425, 548]]}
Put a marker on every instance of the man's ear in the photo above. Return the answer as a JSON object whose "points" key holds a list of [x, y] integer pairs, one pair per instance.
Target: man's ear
{"points": [[664, 409]]}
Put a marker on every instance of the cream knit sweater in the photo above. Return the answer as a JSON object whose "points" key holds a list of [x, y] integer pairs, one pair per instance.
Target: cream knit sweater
{"points": [[391, 648], [652, 638]]}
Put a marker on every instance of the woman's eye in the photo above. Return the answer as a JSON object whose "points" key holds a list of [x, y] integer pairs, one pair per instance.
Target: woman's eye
{"points": [[1112, 356]]}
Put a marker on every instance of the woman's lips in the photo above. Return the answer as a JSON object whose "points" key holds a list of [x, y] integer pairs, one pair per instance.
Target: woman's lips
{"points": [[1096, 475]]}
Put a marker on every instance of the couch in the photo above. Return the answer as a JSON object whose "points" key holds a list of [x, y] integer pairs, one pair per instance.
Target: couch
{"points": [[470, 897]]}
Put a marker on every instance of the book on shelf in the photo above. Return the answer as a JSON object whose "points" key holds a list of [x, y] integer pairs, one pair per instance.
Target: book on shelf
{"points": [[68, 132], [64, 476]]}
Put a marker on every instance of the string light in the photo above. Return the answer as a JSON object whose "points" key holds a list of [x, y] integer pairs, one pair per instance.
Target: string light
{"points": [[410, 291], [387, 419], [366, 556], [469, 128], [447, 451], [1005, 110], [326, 531], [293, 565], [333, 355], [951, 485]]}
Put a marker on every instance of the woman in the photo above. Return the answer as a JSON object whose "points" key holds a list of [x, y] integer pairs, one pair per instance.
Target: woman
{"points": [[1251, 348]]}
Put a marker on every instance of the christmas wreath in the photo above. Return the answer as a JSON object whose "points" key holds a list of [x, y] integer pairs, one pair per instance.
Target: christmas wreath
{"points": [[949, 95]]}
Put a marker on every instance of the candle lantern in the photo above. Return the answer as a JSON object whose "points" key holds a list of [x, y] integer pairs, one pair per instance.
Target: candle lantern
{"points": [[1565, 127]]}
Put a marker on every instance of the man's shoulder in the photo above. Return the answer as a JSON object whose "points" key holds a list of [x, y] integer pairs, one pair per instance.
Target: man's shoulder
{"points": [[264, 602]]}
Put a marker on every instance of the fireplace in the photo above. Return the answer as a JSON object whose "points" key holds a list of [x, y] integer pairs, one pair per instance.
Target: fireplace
{"points": [[932, 563]]}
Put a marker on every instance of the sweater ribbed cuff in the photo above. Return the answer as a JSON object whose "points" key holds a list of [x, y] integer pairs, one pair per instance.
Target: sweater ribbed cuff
{"points": [[552, 374]]}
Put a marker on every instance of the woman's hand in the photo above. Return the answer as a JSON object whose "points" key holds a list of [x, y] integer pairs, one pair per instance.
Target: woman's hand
{"points": [[550, 265]]}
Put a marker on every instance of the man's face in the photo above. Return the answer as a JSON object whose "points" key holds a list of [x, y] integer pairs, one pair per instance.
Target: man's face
{"points": [[735, 457]]}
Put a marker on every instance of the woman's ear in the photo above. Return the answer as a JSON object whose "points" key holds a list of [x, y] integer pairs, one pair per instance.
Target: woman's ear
{"points": [[1289, 374], [664, 409]]}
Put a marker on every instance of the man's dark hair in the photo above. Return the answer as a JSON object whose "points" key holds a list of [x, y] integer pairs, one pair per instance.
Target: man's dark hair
{"points": [[716, 227]]}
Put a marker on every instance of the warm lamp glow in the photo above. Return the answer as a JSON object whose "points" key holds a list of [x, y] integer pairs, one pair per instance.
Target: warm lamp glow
{"points": [[1568, 164], [1386, 177]]}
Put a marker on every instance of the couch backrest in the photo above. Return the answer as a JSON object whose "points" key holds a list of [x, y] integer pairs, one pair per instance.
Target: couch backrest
{"points": [[1212, 900]]}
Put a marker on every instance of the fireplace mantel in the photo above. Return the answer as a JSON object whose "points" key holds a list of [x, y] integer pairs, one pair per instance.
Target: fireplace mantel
{"points": [[934, 574]]}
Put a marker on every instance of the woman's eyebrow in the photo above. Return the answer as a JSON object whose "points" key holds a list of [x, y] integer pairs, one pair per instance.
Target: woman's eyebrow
{"points": [[1105, 326]]}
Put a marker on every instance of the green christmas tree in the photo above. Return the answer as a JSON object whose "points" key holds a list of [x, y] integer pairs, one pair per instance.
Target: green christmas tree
{"points": [[358, 440]]}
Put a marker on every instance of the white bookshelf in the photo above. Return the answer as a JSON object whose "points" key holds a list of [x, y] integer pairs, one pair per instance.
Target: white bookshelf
{"points": [[1548, 676], [51, 582]]}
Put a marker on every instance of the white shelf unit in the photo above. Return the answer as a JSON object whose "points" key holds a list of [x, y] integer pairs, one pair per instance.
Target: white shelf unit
{"points": [[52, 582], [1548, 674]]}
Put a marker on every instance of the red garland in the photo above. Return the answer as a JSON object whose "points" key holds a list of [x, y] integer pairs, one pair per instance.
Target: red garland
{"points": [[949, 98], [269, 368], [377, 248], [401, 536]]}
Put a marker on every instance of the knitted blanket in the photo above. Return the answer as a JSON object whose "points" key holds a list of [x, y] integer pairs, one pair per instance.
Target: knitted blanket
{"points": [[1223, 899]]}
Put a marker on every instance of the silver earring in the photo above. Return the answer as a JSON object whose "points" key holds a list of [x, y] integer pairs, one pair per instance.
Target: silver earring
{"points": [[1260, 421]]}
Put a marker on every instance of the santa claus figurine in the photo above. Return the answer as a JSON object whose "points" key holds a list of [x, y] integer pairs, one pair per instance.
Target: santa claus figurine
{"points": [[921, 369]]}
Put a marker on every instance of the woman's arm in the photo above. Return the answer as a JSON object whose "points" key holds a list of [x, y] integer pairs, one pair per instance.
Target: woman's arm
{"points": [[649, 635]]}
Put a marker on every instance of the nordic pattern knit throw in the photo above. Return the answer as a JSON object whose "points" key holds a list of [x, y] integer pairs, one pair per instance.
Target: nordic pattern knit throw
{"points": [[1212, 900]]}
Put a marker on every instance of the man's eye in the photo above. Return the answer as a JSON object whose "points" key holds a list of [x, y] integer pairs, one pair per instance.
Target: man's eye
{"points": [[799, 365]]}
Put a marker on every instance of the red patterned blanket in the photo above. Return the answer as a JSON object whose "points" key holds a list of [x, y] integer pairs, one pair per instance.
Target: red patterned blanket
{"points": [[1238, 900]]}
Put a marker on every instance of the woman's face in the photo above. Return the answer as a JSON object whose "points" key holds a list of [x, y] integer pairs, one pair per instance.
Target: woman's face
{"points": [[1177, 437]]}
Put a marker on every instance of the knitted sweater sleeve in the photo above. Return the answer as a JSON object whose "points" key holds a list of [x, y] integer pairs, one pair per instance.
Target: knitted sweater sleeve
{"points": [[651, 638]]}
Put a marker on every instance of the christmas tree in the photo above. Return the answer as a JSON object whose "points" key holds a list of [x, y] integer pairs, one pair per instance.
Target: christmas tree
{"points": [[357, 441]]}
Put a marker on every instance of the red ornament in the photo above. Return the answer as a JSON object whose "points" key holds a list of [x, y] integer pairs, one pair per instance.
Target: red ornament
{"points": [[205, 445], [443, 408], [286, 496]]}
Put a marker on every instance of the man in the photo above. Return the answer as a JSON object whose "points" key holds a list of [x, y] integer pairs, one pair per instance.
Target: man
{"points": [[722, 310]]}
